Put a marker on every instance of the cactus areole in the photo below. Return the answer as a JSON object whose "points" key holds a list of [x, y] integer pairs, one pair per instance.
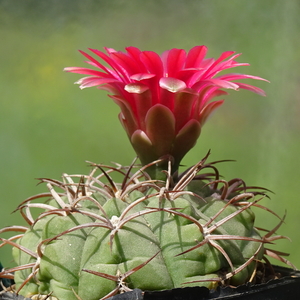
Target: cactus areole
{"points": [[156, 229]]}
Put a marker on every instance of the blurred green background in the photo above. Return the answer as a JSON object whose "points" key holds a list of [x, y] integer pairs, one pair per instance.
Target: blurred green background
{"points": [[49, 126]]}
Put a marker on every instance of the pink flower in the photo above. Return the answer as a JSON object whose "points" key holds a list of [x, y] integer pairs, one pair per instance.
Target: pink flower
{"points": [[164, 100]]}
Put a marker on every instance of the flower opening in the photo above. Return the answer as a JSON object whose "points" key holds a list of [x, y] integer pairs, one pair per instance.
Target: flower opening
{"points": [[164, 99]]}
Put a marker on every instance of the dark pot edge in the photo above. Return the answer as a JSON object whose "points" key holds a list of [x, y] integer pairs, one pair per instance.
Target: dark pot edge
{"points": [[290, 277], [276, 286]]}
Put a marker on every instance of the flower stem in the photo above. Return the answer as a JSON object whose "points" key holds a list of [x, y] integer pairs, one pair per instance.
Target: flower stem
{"points": [[160, 169]]}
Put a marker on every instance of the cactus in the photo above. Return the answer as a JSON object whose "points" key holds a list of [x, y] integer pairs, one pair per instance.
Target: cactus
{"points": [[157, 229]]}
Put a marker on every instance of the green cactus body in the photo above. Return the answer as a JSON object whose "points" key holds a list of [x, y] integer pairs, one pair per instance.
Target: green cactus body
{"points": [[95, 241]]}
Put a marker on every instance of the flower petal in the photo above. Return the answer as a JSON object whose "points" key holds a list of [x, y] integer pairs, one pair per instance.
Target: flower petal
{"points": [[160, 128], [223, 83], [136, 88], [142, 98], [87, 72], [220, 59], [208, 109], [122, 73], [141, 76], [94, 81], [186, 139], [175, 62], [184, 102], [127, 63], [94, 61], [143, 146], [149, 80], [251, 88], [127, 116], [237, 76], [209, 94], [195, 57], [153, 63], [172, 85]]}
